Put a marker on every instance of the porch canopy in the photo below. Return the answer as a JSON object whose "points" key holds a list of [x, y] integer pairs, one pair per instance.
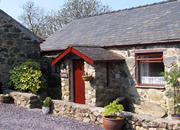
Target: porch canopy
{"points": [[90, 54]]}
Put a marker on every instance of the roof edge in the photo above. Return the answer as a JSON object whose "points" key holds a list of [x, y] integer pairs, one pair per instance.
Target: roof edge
{"points": [[71, 49], [140, 43], [56, 50], [141, 6]]}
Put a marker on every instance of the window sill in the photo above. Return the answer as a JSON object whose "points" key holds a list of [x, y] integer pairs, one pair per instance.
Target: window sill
{"points": [[144, 86]]}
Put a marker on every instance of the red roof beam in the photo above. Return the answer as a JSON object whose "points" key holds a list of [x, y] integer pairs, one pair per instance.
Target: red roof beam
{"points": [[61, 55], [83, 56]]}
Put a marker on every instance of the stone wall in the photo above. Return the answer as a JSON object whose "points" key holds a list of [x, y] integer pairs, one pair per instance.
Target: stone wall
{"points": [[92, 114], [66, 81], [17, 44], [150, 100], [78, 111], [116, 79], [99, 92], [27, 100]]}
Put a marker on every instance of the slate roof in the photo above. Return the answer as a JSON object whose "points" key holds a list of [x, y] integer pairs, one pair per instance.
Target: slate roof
{"points": [[91, 54], [99, 54], [155, 22], [20, 26]]}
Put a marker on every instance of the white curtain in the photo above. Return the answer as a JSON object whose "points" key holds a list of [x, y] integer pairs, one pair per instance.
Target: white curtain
{"points": [[152, 80], [146, 79]]}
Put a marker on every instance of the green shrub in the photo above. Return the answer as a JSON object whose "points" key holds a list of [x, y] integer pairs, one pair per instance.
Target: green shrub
{"points": [[27, 77], [47, 102], [113, 108]]}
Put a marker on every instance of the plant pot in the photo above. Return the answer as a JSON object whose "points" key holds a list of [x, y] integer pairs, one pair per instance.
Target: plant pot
{"points": [[45, 110], [4, 99], [176, 117], [113, 124], [87, 78]]}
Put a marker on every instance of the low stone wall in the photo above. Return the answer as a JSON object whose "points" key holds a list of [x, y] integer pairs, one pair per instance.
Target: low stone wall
{"points": [[78, 111], [92, 114], [27, 100]]}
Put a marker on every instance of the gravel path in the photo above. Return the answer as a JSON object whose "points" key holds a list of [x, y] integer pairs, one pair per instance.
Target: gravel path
{"points": [[13, 117]]}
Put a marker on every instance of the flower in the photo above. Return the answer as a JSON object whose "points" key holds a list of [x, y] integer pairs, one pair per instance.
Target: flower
{"points": [[86, 74], [5, 95]]}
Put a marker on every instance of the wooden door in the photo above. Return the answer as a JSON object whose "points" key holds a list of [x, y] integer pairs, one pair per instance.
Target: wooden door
{"points": [[79, 87]]}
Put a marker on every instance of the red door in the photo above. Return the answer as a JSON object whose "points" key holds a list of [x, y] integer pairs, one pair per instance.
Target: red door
{"points": [[79, 89]]}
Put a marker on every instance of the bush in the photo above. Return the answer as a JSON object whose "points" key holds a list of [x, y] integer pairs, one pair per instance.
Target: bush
{"points": [[47, 102], [27, 77]]}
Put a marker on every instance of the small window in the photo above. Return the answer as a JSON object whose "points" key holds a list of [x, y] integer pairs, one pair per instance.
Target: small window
{"points": [[149, 68]]}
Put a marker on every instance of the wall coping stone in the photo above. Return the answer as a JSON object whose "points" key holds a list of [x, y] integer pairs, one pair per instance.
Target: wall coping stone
{"points": [[76, 105], [28, 100], [27, 95]]}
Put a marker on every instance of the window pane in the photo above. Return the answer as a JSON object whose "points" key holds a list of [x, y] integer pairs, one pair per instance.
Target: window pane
{"points": [[149, 73], [150, 56]]}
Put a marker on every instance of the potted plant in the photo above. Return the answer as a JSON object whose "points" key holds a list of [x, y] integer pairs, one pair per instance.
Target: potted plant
{"points": [[172, 79], [46, 105], [87, 77], [113, 117], [5, 98]]}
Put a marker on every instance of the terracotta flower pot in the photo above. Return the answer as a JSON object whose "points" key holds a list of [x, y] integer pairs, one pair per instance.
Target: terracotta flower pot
{"points": [[113, 124], [176, 117]]}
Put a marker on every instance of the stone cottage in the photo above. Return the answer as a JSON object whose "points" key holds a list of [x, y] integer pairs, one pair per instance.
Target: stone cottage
{"points": [[124, 51], [17, 44]]}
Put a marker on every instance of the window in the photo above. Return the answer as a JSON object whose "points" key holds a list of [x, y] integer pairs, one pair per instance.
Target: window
{"points": [[149, 68]]}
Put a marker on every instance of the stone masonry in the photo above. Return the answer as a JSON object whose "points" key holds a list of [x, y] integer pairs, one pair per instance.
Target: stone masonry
{"points": [[122, 81], [27, 100], [97, 91], [17, 44], [92, 114], [147, 100]]}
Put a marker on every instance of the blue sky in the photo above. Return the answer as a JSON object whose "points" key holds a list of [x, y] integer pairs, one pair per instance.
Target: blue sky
{"points": [[12, 7]]}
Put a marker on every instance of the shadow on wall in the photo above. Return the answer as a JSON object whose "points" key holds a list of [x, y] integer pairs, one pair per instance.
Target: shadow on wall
{"points": [[1, 88], [52, 77], [128, 93], [120, 84], [128, 86]]}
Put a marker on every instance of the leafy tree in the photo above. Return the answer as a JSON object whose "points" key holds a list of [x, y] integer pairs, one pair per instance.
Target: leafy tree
{"points": [[80, 8], [44, 23], [33, 18]]}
